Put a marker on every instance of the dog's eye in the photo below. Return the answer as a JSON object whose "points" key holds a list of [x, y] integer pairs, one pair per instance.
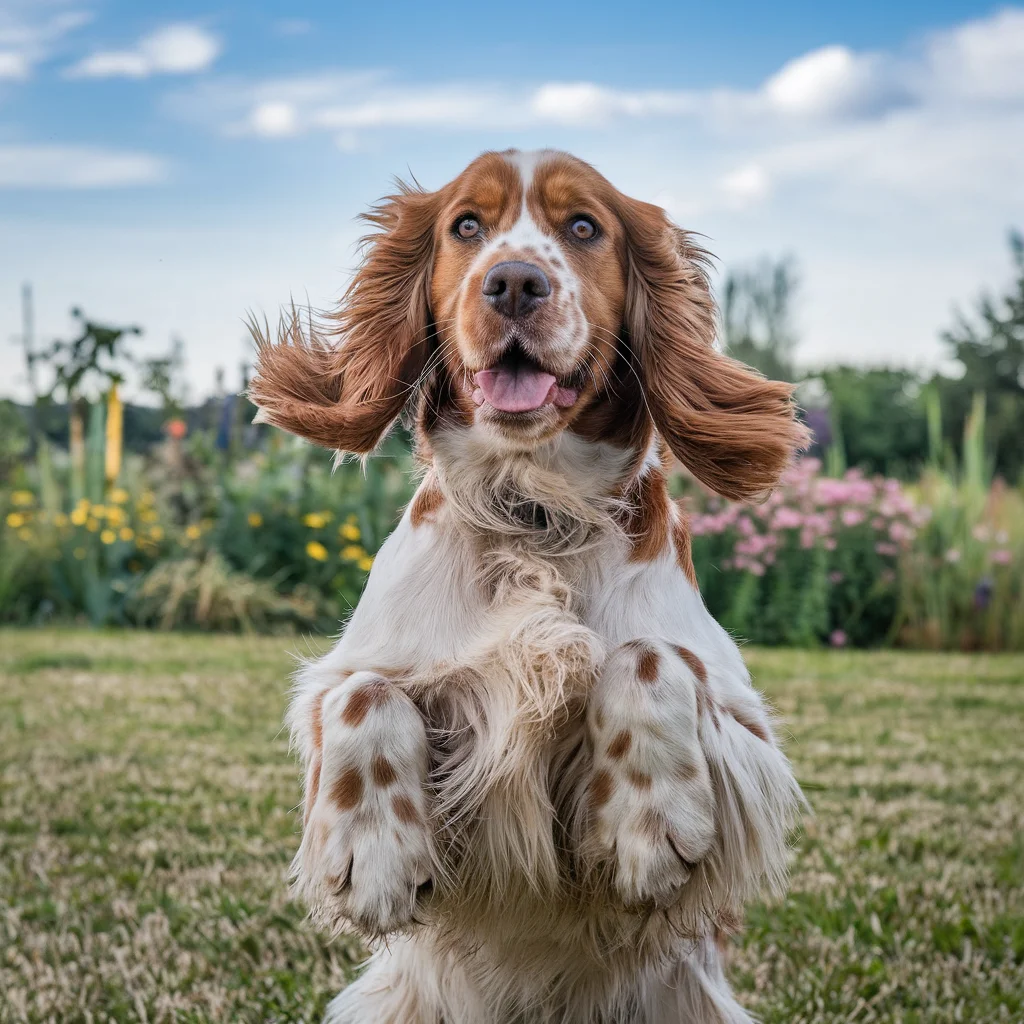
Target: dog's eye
{"points": [[583, 228], [467, 227]]}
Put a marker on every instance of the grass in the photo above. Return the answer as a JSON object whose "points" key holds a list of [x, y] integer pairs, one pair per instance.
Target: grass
{"points": [[147, 818]]}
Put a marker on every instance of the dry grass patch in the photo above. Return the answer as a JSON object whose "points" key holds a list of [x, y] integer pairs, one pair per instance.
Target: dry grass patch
{"points": [[147, 818]]}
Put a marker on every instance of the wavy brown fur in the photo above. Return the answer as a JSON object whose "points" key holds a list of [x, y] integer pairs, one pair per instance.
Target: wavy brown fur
{"points": [[733, 429], [343, 384]]}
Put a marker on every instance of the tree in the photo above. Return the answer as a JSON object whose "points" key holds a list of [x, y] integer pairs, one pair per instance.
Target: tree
{"points": [[756, 317], [990, 347]]}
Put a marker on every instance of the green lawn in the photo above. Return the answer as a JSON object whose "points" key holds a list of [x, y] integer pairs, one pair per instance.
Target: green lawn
{"points": [[147, 820]]}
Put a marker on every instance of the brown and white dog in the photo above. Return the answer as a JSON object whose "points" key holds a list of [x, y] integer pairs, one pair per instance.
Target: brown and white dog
{"points": [[535, 764]]}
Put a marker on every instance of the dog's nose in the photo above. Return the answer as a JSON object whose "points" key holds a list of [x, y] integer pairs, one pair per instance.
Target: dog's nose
{"points": [[515, 288]]}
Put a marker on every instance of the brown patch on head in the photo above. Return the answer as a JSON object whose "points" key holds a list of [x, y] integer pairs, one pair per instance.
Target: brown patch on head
{"points": [[601, 786], [682, 543], [619, 746], [646, 521], [647, 664], [427, 501], [751, 724], [347, 789], [312, 786], [361, 701], [382, 772], [641, 780], [405, 809]]}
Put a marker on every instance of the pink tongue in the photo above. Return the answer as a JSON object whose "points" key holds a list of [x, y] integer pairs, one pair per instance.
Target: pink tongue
{"points": [[519, 390]]}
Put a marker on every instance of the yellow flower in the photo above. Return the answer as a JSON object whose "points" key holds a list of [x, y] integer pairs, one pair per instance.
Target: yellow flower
{"points": [[147, 498], [193, 531], [99, 511], [92, 525], [255, 520], [349, 531], [79, 553], [22, 497], [365, 563], [315, 520], [15, 520], [108, 536], [119, 495], [149, 515], [60, 520], [352, 553], [156, 533], [316, 550], [79, 516], [127, 533], [25, 534], [115, 516]]}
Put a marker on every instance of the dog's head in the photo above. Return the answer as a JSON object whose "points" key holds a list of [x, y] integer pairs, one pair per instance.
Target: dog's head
{"points": [[525, 298]]}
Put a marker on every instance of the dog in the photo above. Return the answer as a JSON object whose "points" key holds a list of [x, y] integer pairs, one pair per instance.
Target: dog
{"points": [[538, 781]]}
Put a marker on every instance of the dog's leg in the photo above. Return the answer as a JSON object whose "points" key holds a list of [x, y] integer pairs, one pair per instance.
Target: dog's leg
{"points": [[690, 800], [366, 855], [649, 800]]}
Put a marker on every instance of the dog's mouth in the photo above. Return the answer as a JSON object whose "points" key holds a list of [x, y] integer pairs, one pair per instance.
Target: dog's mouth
{"points": [[517, 384]]}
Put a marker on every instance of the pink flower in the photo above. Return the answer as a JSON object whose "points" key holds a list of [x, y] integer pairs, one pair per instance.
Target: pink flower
{"points": [[852, 517], [838, 638], [786, 519], [900, 532], [746, 526], [836, 577], [1002, 556], [953, 556], [756, 568], [883, 548], [830, 543], [981, 532]]}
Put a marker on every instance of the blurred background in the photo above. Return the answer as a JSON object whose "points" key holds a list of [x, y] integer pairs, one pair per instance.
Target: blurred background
{"points": [[858, 171]]}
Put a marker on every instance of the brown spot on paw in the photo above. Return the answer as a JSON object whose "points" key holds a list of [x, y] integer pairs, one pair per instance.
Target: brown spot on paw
{"points": [[639, 779], [405, 809], [347, 790], [647, 665], [651, 826], [382, 772], [371, 695], [601, 786], [619, 746]]}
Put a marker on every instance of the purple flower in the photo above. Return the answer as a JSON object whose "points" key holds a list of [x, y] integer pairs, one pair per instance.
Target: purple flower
{"points": [[838, 638]]}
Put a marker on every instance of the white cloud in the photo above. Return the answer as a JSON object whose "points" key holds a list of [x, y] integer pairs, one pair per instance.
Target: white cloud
{"points": [[745, 186], [587, 103], [27, 36], [830, 81], [75, 167], [171, 50], [274, 118]]}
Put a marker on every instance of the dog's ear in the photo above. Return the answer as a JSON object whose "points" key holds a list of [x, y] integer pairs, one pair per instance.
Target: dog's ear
{"points": [[343, 385], [733, 429]]}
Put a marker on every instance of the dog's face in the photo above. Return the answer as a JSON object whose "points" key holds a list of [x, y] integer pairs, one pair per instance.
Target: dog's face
{"points": [[528, 291], [527, 297]]}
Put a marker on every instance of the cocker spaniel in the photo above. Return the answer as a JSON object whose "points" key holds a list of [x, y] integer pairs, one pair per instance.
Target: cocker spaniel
{"points": [[538, 780]]}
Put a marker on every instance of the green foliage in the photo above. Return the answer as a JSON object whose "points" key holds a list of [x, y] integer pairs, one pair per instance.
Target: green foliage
{"points": [[881, 417], [990, 348], [756, 317]]}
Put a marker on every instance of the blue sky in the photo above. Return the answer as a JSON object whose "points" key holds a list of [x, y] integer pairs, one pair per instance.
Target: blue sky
{"points": [[177, 164]]}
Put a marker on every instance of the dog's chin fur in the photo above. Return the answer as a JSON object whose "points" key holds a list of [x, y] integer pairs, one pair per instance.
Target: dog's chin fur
{"points": [[531, 705]]}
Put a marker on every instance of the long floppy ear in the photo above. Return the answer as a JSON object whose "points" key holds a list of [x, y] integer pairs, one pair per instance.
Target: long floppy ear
{"points": [[344, 384], [733, 429]]}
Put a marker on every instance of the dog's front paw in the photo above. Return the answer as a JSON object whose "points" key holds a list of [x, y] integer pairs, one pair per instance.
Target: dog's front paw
{"points": [[366, 856], [649, 801]]}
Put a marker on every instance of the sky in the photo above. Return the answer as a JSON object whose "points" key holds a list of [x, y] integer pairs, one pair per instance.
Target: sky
{"points": [[176, 165]]}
